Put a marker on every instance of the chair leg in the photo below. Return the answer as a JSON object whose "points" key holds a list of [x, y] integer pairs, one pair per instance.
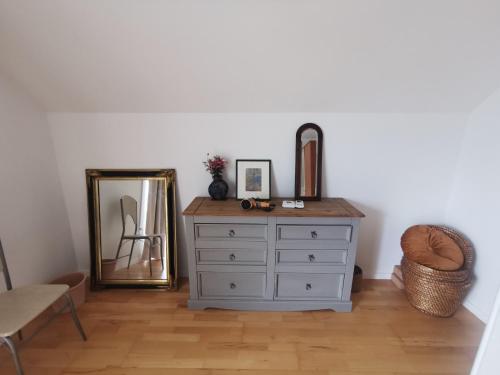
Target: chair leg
{"points": [[13, 350], [151, 244], [119, 247], [75, 316], [131, 252], [161, 253]]}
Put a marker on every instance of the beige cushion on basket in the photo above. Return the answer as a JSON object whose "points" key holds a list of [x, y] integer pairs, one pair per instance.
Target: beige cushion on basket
{"points": [[431, 247]]}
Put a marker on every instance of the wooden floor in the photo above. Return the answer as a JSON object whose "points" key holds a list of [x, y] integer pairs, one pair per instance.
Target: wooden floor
{"points": [[152, 333], [140, 271]]}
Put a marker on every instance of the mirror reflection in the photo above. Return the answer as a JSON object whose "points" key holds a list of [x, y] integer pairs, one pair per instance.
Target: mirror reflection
{"points": [[308, 162], [309, 165], [133, 227]]}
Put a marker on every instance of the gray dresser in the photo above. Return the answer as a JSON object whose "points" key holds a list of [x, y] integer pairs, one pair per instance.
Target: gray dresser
{"points": [[286, 259]]}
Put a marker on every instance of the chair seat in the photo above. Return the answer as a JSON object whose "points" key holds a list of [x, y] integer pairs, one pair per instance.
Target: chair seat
{"points": [[20, 306]]}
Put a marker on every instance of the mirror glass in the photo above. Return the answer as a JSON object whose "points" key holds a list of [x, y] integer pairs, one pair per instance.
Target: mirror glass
{"points": [[308, 162], [133, 229], [132, 217]]}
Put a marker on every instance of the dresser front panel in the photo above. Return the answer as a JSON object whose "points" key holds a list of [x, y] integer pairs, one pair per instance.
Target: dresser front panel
{"points": [[308, 286], [313, 236], [246, 232], [232, 256], [311, 257], [314, 232], [222, 285]]}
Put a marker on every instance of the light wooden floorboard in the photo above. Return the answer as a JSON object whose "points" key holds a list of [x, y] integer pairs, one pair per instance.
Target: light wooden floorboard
{"points": [[152, 332]]}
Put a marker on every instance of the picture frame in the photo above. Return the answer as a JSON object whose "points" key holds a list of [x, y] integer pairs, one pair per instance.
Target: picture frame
{"points": [[253, 179]]}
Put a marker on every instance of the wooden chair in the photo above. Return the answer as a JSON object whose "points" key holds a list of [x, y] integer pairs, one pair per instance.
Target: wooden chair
{"points": [[20, 306], [128, 207]]}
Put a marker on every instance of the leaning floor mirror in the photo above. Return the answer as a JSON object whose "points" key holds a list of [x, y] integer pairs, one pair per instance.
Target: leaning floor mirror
{"points": [[132, 227]]}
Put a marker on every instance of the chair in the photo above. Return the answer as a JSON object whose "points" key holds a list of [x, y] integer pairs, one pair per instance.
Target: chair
{"points": [[128, 207], [20, 306]]}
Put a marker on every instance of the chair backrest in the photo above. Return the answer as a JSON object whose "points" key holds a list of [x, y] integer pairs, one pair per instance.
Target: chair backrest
{"points": [[129, 208], [4, 269]]}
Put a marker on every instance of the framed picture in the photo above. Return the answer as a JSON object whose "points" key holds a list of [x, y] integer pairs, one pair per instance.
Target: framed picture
{"points": [[253, 179]]}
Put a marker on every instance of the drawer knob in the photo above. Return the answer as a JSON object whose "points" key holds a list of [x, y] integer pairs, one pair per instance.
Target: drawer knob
{"points": [[308, 286], [314, 234], [312, 258], [231, 233], [232, 257], [232, 286]]}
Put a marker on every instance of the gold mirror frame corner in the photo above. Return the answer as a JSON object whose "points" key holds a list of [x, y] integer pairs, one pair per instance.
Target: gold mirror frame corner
{"points": [[168, 176]]}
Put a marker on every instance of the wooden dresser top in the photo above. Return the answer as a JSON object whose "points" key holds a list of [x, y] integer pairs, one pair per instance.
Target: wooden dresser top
{"points": [[327, 207]]}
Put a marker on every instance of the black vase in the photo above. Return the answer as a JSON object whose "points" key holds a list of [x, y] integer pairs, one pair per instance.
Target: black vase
{"points": [[218, 188]]}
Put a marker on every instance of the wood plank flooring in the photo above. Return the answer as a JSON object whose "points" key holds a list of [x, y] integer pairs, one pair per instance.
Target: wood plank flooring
{"points": [[152, 333], [140, 271]]}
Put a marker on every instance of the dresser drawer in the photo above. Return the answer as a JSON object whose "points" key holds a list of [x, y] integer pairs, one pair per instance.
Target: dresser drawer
{"points": [[309, 286], [231, 256], [217, 232], [222, 285], [313, 236], [326, 257]]}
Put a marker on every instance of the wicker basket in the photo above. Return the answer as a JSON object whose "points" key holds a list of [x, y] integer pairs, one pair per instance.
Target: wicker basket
{"points": [[435, 292]]}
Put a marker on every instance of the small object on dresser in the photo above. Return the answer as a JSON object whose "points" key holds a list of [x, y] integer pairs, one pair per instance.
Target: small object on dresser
{"points": [[248, 204], [215, 166], [288, 204], [293, 204]]}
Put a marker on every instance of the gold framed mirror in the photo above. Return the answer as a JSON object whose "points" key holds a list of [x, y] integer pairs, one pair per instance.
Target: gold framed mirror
{"points": [[132, 227], [308, 162]]}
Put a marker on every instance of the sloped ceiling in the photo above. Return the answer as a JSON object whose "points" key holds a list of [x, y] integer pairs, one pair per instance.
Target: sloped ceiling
{"points": [[252, 55]]}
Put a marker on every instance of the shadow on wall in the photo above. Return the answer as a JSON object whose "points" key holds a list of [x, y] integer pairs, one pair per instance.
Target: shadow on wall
{"points": [[182, 262], [273, 182], [369, 239]]}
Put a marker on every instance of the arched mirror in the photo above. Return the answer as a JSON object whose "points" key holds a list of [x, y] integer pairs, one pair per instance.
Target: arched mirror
{"points": [[308, 162]]}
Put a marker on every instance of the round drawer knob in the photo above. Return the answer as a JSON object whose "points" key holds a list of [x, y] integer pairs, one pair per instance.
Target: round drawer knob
{"points": [[312, 258], [231, 233], [308, 286], [314, 234], [232, 257], [232, 286]]}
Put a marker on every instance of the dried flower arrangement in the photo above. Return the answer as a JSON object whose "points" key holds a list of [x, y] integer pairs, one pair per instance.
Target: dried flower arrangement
{"points": [[215, 166]]}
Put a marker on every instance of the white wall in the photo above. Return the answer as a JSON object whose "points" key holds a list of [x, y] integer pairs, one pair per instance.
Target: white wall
{"points": [[395, 168], [475, 202], [33, 221]]}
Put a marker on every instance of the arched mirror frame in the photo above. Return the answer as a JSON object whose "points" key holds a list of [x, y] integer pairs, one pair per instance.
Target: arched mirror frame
{"points": [[298, 162]]}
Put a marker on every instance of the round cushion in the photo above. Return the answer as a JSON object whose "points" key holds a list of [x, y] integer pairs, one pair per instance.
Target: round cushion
{"points": [[431, 247]]}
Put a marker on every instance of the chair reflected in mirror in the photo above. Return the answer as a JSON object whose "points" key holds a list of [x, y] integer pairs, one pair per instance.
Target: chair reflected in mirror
{"points": [[128, 207]]}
